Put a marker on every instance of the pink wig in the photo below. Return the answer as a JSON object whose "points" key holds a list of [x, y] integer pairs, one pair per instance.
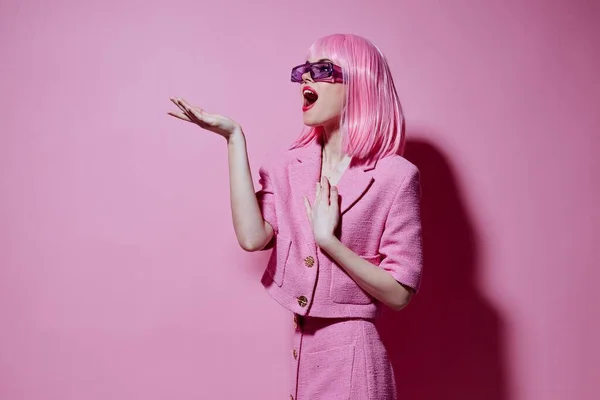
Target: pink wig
{"points": [[372, 124]]}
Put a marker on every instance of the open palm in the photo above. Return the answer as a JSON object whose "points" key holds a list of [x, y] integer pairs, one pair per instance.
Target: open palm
{"points": [[212, 122]]}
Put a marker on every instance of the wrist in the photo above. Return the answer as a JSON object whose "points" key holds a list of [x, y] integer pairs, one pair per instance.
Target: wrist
{"points": [[327, 242], [236, 137]]}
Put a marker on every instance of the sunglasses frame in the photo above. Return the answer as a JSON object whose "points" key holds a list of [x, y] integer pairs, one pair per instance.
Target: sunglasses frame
{"points": [[335, 76]]}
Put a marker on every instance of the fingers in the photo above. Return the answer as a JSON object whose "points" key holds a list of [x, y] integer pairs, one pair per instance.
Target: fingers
{"points": [[187, 109], [324, 190], [334, 199], [184, 111], [308, 208], [181, 103], [194, 114], [178, 103], [192, 109], [179, 115]]}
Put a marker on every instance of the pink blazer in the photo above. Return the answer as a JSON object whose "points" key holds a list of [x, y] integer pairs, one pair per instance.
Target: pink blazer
{"points": [[380, 221]]}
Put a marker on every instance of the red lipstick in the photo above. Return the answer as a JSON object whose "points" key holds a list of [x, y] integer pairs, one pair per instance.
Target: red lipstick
{"points": [[310, 97]]}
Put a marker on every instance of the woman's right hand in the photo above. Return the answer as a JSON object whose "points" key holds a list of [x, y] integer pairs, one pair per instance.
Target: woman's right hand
{"points": [[219, 124]]}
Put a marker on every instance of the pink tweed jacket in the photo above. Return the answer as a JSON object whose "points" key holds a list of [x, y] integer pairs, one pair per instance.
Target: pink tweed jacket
{"points": [[379, 221]]}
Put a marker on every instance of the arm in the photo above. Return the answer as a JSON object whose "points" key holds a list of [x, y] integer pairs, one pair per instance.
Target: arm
{"points": [[371, 278], [398, 276], [252, 231]]}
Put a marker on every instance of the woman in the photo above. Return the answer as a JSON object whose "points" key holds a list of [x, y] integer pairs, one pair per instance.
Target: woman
{"points": [[340, 210]]}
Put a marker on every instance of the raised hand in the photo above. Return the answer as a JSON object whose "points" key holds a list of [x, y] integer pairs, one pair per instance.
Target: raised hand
{"points": [[324, 214], [218, 124]]}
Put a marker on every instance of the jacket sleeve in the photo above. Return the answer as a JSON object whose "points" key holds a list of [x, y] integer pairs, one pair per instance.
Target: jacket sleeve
{"points": [[401, 244], [266, 200]]}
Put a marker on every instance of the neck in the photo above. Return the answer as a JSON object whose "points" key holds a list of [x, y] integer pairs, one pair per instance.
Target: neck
{"points": [[332, 147]]}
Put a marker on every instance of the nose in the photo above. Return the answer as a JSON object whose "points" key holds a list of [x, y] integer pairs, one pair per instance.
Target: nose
{"points": [[306, 77]]}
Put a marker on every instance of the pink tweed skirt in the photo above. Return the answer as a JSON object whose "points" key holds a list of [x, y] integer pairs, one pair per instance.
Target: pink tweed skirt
{"points": [[339, 359]]}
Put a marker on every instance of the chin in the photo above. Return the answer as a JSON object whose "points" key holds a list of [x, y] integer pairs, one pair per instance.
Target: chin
{"points": [[315, 120], [312, 122]]}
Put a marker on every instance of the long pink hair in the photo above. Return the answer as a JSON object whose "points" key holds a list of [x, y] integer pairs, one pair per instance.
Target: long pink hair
{"points": [[372, 124]]}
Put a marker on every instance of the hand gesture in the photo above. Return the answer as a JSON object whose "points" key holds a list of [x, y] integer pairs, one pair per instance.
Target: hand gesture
{"points": [[212, 122], [324, 214]]}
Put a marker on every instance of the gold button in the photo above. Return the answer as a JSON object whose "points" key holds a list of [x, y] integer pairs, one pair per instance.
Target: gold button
{"points": [[309, 261], [295, 354], [303, 301]]}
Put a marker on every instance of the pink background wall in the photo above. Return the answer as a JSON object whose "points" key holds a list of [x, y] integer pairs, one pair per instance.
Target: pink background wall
{"points": [[120, 277]]}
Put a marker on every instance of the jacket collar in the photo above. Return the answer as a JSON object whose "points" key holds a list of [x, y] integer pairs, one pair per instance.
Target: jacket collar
{"points": [[305, 173], [313, 154]]}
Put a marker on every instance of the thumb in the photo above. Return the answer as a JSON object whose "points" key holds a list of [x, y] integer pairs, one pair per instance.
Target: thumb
{"points": [[308, 208]]}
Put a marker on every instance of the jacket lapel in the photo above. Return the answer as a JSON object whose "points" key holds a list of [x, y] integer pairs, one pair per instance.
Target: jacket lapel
{"points": [[354, 183], [304, 175]]}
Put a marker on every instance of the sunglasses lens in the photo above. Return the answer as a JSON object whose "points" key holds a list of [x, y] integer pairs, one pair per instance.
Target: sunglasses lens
{"points": [[298, 71], [321, 70]]}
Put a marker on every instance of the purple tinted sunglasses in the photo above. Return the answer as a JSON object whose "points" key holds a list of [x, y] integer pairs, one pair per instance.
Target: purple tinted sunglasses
{"points": [[319, 71]]}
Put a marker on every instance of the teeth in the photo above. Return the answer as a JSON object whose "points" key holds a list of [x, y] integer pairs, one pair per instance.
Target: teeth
{"points": [[306, 91]]}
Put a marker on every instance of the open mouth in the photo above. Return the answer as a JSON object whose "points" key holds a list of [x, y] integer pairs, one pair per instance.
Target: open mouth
{"points": [[310, 97]]}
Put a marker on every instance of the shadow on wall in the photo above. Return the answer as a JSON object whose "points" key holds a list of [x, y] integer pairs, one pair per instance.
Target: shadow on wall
{"points": [[448, 343]]}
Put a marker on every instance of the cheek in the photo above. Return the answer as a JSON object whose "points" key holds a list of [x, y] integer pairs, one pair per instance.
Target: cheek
{"points": [[341, 97], [335, 100]]}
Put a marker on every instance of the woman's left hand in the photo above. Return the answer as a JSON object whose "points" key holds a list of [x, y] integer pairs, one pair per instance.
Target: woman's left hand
{"points": [[324, 214]]}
